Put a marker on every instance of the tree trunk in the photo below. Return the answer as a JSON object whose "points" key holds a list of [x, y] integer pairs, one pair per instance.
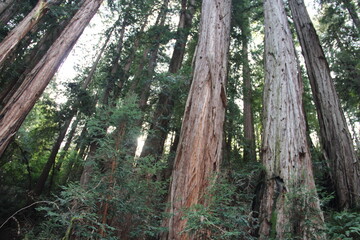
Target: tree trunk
{"points": [[87, 171], [335, 137], [14, 113], [10, 11], [289, 206], [200, 146], [4, 4], [145, 85], [19, 32], [80, 149], [30, 61], [159, 127], [249, 134], [51, 160]]}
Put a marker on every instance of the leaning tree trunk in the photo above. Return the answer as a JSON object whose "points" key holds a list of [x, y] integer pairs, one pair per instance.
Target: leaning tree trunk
{"points": [[14, 113], [19, 32], [9, 12], [55, 149], [4, 4], [14, 80], [289, 206], [335, 137], [143, 80], [200, 147]]}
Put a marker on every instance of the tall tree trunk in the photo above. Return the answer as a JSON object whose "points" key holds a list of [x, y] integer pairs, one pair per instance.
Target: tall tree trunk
{"points": [[249, 134], [9, 12], [335, 137], [159, 127], [19, 32], [87, 171], [80, 149], [69, 139], [14, 113], [30, 60], [289, 206], [4, 4], [145, 85], [51, 160], [200, 146]]}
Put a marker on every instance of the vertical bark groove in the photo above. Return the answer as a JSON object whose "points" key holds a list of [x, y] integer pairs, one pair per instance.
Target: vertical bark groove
{"points": [[335, 138], [289, 199], [199, 150]]}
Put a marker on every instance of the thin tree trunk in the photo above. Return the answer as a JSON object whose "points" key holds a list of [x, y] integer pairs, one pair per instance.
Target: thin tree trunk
{"points": [[19, 32], [69, 139], [159, 128], [148, 76], [289, 206], [200, 146], [87, 171], [51, 160], [335, 137], [14, 113], [249, 133], [353, 13], [80, 149]]}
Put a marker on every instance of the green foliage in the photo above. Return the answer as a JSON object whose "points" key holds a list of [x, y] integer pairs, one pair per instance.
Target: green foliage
{"points": [[341, 41], [135, 206], [343, 225], [228, 212], [301, 205]]}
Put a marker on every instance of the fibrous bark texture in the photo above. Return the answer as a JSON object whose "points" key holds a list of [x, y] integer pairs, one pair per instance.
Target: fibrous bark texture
{"points": [[289, 206], [335, 137], [15, 111], [18, 33], [199, 150], [13, 79]]}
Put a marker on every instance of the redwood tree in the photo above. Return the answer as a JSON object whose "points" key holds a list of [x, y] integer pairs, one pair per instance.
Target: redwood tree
{"points": [[15, 111], [289, 206], [335, 137], [19, 32], [200, 146]]}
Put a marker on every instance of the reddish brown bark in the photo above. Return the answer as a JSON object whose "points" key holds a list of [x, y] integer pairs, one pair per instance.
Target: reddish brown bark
{"points": [[335, 137], [14, 113], [289, 206], [14, 80], [19, 32], [200, 146]]}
